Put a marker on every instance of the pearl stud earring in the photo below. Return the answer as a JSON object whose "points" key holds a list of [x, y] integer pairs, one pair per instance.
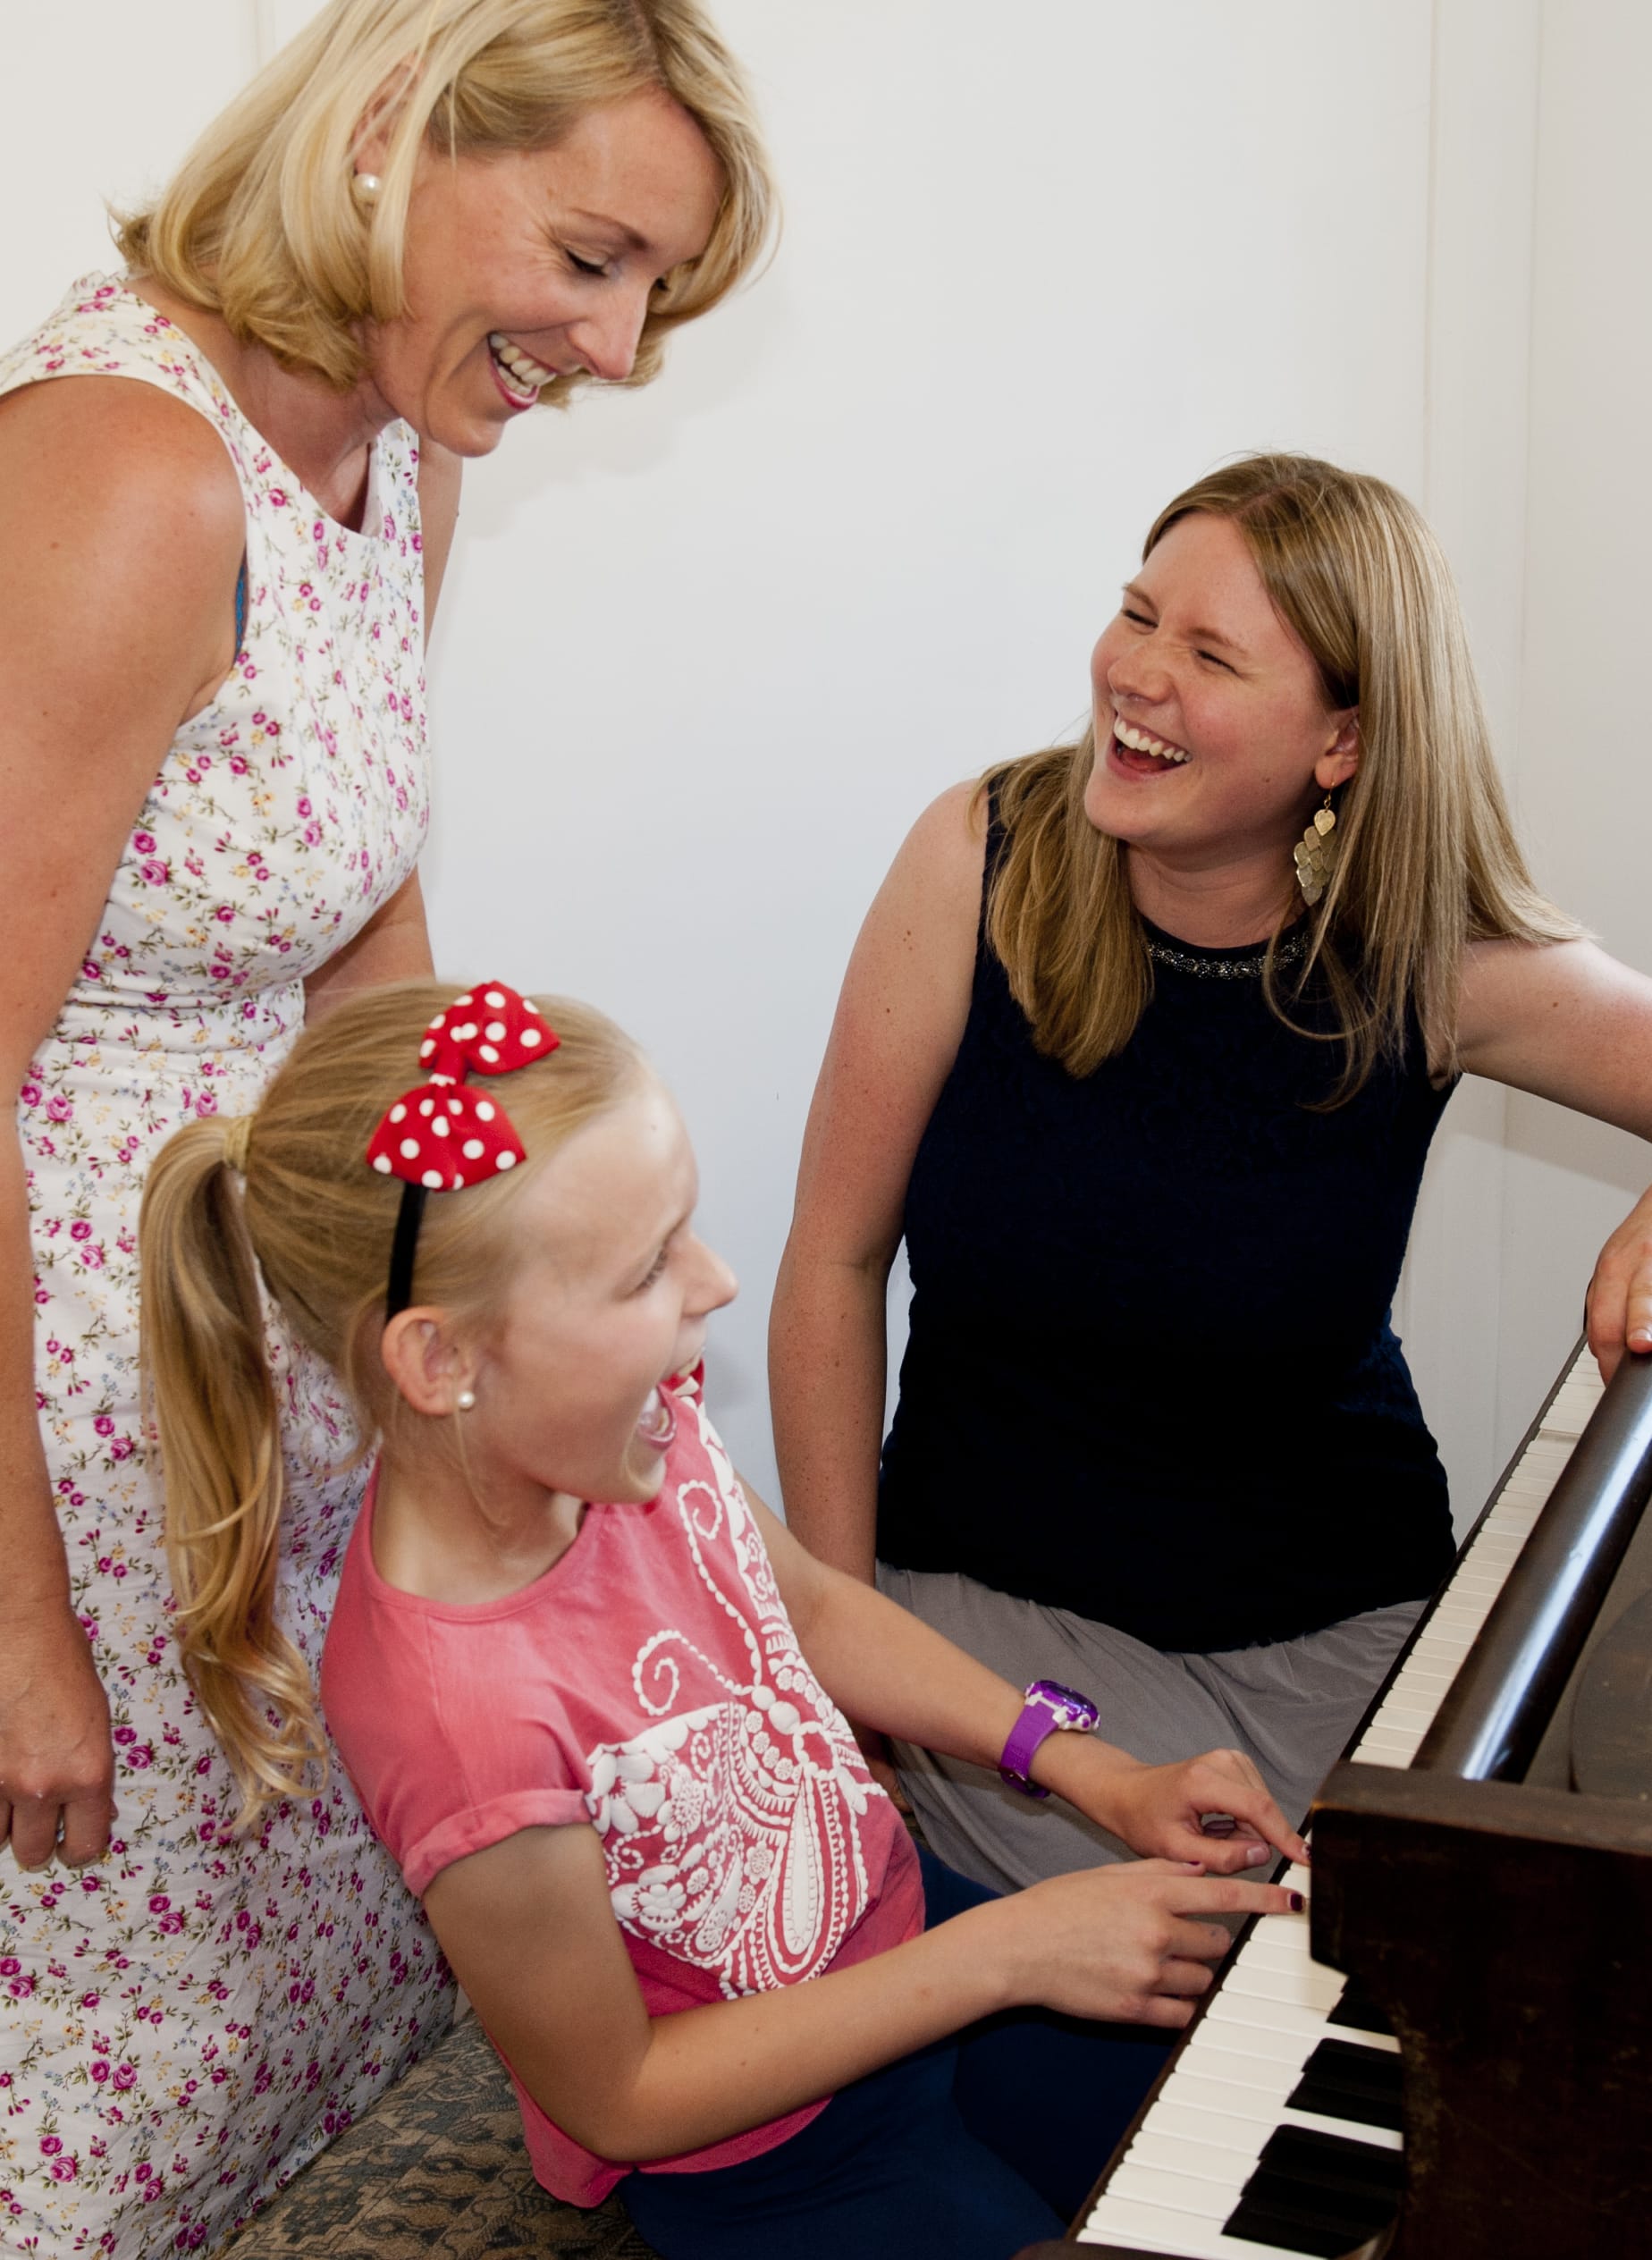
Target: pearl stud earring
{"points": [[365, 187], [465, 1399]]}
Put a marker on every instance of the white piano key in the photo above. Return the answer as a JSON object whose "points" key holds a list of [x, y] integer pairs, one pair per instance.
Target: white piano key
{"points": [[1402, 1709], [1245, 2054], [1192, 2153], [1497, 1547], [1447, 1652], [1427, 1679], [1398, 1723], [1210, 2201], [1228, 2010], [1357, 2037], [1349, 2129], [1242, 2098], [1239, 2101], [1523, 1493], [1574, 1405], [1204, 2123], [1383, 1745], [1158, 2228], [1281, 1941], [1545, 1455], [1480, 1582], [1517, 1525], [1312, 1987]]}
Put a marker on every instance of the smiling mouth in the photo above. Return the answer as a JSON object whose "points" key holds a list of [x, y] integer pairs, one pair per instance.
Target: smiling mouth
{"points": [[1143, 755], [657, 1423], [520, 376]]}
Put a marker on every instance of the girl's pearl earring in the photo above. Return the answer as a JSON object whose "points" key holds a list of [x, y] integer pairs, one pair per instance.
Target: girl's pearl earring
{"points": [[465, 1399], [365, 187]]}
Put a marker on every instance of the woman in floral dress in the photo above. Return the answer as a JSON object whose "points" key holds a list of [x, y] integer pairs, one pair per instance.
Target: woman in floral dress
{"points": [[219, 549]]}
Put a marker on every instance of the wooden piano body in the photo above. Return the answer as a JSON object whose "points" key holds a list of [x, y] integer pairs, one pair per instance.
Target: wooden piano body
{"points": [[1482, 1874]]}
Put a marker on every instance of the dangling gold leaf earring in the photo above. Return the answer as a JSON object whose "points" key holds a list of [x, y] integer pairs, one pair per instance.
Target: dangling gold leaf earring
{"points": [[1315, 854]]}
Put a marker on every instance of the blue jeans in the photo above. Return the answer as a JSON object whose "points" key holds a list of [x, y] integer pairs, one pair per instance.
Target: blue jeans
{"points": [[967, 2150]]}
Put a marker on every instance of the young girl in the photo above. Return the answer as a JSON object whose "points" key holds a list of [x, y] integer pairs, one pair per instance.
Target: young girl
{"points": [[587, 1686]]}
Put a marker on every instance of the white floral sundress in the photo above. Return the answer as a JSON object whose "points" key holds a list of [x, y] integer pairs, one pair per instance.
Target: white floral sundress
{"points": [[186, 2025]]}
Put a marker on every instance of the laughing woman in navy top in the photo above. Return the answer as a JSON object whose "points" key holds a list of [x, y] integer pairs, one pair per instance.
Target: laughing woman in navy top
{"points": [[1141, 1050]]}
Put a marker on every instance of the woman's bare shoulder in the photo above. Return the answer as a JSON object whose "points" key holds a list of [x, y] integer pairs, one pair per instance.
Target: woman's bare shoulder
{"points": [[115, 447]]}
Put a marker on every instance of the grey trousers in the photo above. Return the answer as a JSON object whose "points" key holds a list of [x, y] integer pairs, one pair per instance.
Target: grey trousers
{"points": [[1290, 1706]]}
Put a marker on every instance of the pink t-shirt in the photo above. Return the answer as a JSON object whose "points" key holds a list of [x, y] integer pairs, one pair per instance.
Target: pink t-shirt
{"points": [[649, 1685]]}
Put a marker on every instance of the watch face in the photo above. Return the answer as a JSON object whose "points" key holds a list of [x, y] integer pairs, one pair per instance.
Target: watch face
{"points": [[1070, 1707]]}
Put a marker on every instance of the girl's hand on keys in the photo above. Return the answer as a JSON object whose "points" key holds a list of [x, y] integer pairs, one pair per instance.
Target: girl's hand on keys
{"points": [[1132, 1944], [1214, 1810]]}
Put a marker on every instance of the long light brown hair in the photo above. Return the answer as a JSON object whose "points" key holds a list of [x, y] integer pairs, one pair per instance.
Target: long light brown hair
{"points": [[260, 225], [1427, 858], [288, 1198]]}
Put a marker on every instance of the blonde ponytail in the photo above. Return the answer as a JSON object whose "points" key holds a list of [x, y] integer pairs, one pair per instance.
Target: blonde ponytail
{"points": [[315, 1223], [213, 1402]]}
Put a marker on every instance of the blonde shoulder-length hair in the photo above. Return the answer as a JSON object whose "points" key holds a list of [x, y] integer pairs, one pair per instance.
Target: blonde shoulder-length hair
{"points": [[1427, 857], [260, 226], [283, 1203]]}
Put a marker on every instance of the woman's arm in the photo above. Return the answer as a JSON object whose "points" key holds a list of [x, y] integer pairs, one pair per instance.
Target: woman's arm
{"points": [[529, 1930], [394, 945], [899, 1019], [120, 535], [1569, 1023]]}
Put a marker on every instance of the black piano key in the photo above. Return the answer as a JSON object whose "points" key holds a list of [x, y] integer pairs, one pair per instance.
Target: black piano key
{"points": [[1342, 2080], [1359, 2012], [1318, 2194]]}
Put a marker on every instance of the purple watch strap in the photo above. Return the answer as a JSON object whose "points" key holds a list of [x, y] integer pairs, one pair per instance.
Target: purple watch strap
{"points": [[1050, 1708]]}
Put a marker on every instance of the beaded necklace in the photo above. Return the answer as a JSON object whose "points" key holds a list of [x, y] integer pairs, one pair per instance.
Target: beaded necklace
{"points": [[1288, 953]]}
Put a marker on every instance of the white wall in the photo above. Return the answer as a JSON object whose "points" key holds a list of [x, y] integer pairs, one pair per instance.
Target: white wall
{"points": [[1585, 781], [1040, 268], [707, 650]]}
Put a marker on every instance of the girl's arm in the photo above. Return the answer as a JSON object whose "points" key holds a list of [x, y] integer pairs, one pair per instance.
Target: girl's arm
{"points": [[120, 535], [880, 1664], [904, 1001], [530, 1932], [1568, 1023]]}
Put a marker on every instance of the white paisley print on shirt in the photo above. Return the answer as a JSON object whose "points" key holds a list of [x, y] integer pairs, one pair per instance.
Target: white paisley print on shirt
{"points": [[731, 1829]]}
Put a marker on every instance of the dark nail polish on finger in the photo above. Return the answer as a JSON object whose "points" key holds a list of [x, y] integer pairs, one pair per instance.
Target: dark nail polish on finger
{"points": [[1298, 1904]]}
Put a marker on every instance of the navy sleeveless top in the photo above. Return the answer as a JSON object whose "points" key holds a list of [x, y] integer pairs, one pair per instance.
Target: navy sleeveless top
{"points": [[1150, 1376]]}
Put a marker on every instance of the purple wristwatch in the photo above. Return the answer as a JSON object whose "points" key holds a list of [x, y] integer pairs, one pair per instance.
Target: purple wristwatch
{"points": [[1050, 1709]]}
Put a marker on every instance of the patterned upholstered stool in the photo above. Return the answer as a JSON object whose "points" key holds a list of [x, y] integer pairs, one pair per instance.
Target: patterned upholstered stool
{"points": [[436, 2168]]}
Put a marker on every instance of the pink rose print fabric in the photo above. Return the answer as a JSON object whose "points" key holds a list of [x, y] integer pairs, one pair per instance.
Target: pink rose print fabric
{"points": [[184, 2026]]}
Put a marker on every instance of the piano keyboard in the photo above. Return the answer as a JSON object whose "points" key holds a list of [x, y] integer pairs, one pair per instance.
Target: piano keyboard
{"points": [[1276, 2127]]}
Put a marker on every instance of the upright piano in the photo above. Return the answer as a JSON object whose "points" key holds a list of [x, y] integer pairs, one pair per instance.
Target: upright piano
{"points": [[1449, 2057]]}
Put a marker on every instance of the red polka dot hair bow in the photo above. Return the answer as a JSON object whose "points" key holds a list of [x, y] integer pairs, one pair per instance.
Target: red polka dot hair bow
{"points": [[441, 1137]]}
